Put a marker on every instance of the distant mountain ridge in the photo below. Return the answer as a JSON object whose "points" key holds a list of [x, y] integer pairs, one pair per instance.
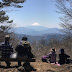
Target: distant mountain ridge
{"points": [[35, 30]]}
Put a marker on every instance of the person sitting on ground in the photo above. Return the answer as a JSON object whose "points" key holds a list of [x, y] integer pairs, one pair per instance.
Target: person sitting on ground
{"points": [[24, 49], [6, 49], [52, 56], [63, 57]]}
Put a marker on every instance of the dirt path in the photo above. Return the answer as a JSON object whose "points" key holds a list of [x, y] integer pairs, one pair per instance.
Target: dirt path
{"points": [[46, 67], [41, 67]]}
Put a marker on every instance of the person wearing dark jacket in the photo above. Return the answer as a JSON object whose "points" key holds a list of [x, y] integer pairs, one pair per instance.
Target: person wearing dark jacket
{"points": [[6, 49], [52, 56], [24, 49], [63, 57]]}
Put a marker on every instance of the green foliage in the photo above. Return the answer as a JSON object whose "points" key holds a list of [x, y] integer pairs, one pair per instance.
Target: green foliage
{"points": [[10, 21], [17, 6], [3, 17], [14, 3], [2, 13], [4, 27]]}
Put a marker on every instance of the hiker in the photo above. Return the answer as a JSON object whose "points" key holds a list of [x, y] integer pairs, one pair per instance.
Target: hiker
{"points": [[6, 49], [52, 56], [63, 57], [24, 49]]}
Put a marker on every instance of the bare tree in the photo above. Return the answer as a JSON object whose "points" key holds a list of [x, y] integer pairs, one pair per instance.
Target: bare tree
{"points": [[65, 8]]}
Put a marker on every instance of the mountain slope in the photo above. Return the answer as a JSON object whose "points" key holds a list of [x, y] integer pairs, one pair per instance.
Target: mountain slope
{"points": [[35, 31]]}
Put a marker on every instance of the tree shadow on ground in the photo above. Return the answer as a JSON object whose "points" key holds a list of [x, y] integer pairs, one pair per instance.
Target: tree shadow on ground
{"points": [[5, 67], [26, 68]]}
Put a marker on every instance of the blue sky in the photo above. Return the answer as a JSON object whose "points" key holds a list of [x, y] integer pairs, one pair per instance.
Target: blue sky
{"points": [[36, 12]]}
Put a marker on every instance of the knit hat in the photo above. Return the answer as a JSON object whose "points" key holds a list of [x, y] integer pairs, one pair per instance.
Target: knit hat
{"points": [[53, 50], [7, 36]]}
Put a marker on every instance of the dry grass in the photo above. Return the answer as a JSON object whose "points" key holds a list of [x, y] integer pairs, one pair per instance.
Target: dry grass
{"points": [[41, 67]]}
